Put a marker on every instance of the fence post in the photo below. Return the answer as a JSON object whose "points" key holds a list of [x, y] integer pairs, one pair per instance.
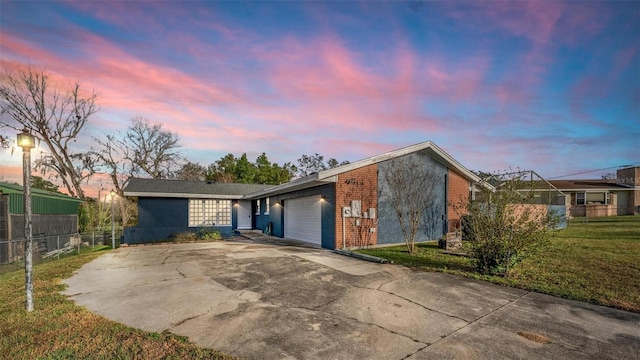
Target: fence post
{"points": [[58, 248], [93, 239]]}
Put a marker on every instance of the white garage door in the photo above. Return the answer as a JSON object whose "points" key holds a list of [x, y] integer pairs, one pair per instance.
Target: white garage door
{"points": [[302, 219]]}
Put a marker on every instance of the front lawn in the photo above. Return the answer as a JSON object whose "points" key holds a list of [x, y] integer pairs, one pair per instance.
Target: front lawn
{"points": [[597, 262], [58, 329]]}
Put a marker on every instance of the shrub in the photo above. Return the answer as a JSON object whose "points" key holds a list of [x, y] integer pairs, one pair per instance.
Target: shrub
{"points": [[200, 235], [501, 226], [209, 234]]}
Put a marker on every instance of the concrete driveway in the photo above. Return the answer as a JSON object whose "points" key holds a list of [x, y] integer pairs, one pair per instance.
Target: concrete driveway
{"points": [[264, 301]]}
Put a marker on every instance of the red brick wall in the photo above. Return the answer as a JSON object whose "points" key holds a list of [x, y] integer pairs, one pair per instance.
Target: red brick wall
{"points": [[360, 184], [458, 196]]}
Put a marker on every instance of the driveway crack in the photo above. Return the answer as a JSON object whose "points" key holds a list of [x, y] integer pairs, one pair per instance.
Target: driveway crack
{"points": [[333, 300], [416, 303], [185, 320], [478, 319], [390, 281], [352, 319], [181, 273]]}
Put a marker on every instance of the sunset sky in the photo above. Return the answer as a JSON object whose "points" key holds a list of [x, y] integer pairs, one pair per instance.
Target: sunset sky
{"points": [[550, 86]]}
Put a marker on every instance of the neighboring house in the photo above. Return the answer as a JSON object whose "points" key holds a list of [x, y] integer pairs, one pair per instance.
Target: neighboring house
{"points": [[593, 198], [340, 207], [52, 214], [169, 207]]}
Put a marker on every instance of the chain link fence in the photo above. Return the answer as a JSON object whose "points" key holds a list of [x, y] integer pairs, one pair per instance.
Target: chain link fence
{"points": [[47, 248]]}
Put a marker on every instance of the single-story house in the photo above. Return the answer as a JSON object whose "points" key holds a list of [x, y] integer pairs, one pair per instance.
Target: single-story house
{"points": [[52, 214], [169, 207], [598, 197], [345, 206]]}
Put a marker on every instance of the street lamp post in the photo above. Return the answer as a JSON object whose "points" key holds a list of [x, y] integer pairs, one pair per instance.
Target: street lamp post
{"points": [[113, 222], [27, 142]]}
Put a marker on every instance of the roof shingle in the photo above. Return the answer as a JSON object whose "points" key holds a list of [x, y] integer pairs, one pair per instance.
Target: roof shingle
{"points": [[181, 188]]}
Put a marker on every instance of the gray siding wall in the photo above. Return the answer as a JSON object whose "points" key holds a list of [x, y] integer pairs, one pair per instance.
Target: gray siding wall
{"points": [[433, 224]]}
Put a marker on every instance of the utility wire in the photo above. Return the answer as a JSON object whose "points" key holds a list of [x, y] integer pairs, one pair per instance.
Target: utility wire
{"points": [[590, 171]]}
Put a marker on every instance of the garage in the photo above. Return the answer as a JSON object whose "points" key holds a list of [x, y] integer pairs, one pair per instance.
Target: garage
{"points": [[302, 219]]}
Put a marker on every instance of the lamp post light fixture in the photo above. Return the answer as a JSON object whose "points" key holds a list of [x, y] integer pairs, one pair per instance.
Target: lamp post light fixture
{"points": [[27, 142], [113, 222]]}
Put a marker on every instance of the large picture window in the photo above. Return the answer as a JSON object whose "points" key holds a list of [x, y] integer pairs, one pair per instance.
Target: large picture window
{"points": [[209, 212]]}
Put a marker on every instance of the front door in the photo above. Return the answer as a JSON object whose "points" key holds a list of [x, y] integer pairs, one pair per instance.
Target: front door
{"points": [[244, 214]]}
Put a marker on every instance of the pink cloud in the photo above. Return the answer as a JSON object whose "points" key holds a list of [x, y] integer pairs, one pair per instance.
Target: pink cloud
{"points": [[140, 88], [335, 88]]}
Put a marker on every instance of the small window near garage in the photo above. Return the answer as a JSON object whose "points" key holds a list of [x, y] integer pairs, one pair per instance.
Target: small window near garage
{"points": [[580, 199], [266, 206], [258, 207]]}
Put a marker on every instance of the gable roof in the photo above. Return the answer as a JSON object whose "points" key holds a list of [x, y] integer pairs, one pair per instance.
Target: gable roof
{"points": [[330, 175], [193, 189], [599, 184]]}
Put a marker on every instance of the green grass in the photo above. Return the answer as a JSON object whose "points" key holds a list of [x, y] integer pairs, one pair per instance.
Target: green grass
{"points": [[598, 262], [58, 329]]}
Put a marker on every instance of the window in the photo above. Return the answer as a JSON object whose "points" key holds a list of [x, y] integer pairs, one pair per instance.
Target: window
{"points": [[596, 198], [266, 207], [209, 212], [258, 207], [579, 198]]}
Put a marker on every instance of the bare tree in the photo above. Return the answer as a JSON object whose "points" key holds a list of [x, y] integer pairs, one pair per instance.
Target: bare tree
{"points": [[410, 188], [111, 157], [152, 150], [55, 118], [145, 149]]}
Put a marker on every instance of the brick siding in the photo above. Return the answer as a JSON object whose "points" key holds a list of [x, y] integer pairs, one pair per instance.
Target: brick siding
{"points": [[458, 197], [359, 184]]}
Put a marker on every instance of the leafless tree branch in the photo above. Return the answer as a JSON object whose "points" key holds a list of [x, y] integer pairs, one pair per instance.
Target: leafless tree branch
{"points": [[55, 118]]}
